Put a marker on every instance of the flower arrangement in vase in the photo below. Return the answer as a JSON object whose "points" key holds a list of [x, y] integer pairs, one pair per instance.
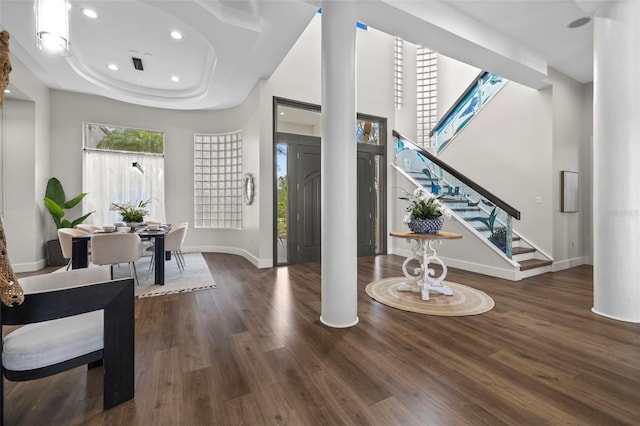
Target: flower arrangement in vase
{"points": [[132, 213], [424, 214]]}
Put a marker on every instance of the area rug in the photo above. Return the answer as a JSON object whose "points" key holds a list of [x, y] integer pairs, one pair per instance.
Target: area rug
{"points": [[464, 301], [196, 276]]}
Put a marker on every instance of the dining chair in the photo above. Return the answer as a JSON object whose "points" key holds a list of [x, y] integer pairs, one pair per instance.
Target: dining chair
{"points": [[173, 243], [114, 248], [69, 319], [65, 235]]}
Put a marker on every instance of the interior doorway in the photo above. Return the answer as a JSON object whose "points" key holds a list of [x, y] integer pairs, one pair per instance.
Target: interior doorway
{"points": [[297, 224]]}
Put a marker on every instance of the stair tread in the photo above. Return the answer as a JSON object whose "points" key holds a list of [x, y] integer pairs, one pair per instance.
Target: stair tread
{"points": [[533, 263], [464, 209], [522, 250], [482, 228]]}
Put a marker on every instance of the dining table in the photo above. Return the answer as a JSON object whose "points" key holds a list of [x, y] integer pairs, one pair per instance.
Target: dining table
{"points": [[80, 249]]}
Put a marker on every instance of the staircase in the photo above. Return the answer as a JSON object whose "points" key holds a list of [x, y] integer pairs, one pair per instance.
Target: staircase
{"points": [[482, 213]]}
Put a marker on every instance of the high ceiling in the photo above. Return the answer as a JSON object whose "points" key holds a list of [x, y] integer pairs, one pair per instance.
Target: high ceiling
{"points": [[228, 45]]}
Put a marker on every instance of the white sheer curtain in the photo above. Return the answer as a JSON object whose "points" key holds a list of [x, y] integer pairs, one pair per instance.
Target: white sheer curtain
{"points": [[107, 177]]}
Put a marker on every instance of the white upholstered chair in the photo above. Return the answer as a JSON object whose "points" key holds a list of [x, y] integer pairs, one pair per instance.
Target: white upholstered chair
{"points": [[173, 243], [65, 235], [112, 249], [69, 319]]}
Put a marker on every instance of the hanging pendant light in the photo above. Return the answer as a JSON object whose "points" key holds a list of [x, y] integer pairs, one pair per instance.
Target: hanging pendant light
{"points": [[52, 26]]}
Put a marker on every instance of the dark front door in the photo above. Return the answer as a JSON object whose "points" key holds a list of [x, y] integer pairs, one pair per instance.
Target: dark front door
{"points": [[366, 204], [303, 236], [308, 205]]}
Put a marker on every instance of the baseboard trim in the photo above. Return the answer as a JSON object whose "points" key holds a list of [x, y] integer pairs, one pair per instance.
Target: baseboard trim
{"points": [[569, 263], [30, 266], [258, 263]]}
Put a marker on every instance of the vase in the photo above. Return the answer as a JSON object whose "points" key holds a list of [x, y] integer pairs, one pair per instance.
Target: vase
{"points": [[134, 225], [426, 226]]}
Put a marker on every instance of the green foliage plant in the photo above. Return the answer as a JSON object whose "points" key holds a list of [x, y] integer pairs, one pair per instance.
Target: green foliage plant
{"points": [[56, 202], [423, 206], [282, 206], [132, 140]]}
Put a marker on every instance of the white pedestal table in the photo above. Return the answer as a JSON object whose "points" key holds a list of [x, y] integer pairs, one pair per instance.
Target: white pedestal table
{"points": [[423, 279]]}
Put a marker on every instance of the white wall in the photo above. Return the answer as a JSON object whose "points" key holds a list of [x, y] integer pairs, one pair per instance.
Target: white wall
{"points": [[453, 78], [26, 139], [571, 244], [507, 150]]}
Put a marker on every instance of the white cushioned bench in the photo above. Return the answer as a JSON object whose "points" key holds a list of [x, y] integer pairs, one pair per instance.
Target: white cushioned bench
{"points": [[50, 342]]}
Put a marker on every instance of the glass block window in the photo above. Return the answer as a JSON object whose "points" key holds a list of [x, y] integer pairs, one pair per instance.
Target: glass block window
{"points": [[398, 64], [426, 93], [218, 180]]}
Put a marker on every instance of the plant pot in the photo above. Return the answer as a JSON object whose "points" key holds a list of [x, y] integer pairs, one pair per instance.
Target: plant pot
{"points": [[426, 226], [54, 254]]}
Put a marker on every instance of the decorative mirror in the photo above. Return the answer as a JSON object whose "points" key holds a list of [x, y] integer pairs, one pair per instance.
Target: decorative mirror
{"points": [[247, 188]]}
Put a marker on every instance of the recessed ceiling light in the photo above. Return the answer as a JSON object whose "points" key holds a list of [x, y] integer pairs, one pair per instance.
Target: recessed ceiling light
{"points": [[7, 91], [281, 112], [176, 35], [90, 13], [579, 22], [113, 67], [175, 78]]}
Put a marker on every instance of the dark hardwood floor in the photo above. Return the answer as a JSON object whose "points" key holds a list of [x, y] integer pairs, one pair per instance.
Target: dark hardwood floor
{"points": [[254, 352]]}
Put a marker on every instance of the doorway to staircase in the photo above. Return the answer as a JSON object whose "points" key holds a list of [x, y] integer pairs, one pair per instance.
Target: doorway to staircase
{"points": [[297, 226]]}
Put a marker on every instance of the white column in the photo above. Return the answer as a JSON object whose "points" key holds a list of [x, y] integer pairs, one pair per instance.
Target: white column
{"points": [[616, 161], [338, 165]]}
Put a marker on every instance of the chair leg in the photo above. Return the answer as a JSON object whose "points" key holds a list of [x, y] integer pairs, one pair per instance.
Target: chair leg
{"points": [[151, 262], [179, 253], [178, 262], [68, 264], [133, 272]]}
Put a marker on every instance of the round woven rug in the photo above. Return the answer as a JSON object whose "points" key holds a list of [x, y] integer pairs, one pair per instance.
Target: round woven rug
{"points": [[464, 301]]}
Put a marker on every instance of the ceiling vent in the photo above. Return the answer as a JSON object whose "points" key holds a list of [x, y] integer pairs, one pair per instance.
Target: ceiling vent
{"points": [[137, 64]]}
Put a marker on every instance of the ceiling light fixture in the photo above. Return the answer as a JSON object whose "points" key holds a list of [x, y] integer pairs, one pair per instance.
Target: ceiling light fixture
{"points": [[175, 78], [136, 167], [90, 13], [113, 67], [177, 35], [52, 26], [7, 91], [579, 22]]}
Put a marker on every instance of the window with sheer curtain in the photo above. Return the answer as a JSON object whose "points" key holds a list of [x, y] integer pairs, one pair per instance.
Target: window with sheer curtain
{"points": [[122, 165]]}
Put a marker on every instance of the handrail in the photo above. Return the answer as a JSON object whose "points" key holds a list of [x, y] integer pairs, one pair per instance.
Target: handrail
{"points": [[511, 211], [456, 104]]}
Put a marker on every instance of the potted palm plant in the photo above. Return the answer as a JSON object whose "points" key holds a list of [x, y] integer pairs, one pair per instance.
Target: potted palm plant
{"points": [[56, 202]]}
